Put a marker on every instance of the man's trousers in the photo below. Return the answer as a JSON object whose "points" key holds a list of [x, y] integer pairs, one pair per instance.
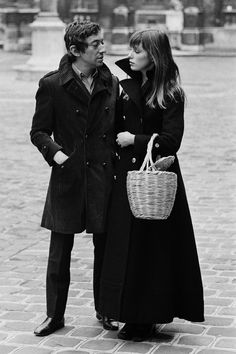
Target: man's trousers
{"points": [[58, 271]]}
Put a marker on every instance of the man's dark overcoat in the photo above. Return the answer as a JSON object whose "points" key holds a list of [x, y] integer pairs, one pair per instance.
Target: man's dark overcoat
{"points": [[151, 271], [82, 126]]}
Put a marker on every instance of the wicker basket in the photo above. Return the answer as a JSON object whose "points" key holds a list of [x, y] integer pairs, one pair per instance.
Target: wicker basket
{"points": [[151, 193]]}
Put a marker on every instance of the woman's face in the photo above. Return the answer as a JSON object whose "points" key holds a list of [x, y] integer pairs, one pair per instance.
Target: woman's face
{"points": [[139, 59]]}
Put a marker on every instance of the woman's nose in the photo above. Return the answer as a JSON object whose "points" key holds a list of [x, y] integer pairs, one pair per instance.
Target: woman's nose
{"points": [[130, 54]]}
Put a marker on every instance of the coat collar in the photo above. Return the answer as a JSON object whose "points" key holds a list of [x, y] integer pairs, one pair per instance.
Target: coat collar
{"points": [[104, 80], [131, 86]]}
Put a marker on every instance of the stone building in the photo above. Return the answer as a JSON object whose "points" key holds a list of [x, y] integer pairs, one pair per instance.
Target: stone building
{"points": [[191, 24]]}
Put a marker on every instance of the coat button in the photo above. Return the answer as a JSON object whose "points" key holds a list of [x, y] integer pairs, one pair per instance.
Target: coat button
{"points": [[62, 166], [106, 108], [87, 163], [157, 145], [133, 160], [86, 136], [77, 111], [104, 136], [44, 147], [104, 164], [124, 117]]}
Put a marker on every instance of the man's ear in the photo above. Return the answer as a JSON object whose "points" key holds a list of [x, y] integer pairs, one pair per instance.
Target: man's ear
{"points": [[74, 51]]}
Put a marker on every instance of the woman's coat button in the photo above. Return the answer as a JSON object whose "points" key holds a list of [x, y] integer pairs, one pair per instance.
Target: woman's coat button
{"points": [[156, 145], [107, 109], [77, 111], [133, 160], [124, 117]]}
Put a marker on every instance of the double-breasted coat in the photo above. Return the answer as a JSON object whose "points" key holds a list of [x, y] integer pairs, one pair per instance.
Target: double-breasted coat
{"points": [[150, 271], [82, 126]]}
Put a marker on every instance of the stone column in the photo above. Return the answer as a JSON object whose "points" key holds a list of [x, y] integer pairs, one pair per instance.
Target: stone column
{"points": [[47, 43], [120, 31]]}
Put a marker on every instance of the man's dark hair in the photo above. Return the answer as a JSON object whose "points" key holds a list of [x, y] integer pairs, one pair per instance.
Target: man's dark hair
{"points": [[76, 34]]}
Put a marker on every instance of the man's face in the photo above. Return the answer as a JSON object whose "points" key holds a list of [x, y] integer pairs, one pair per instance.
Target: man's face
{"points": [[94, 53]]}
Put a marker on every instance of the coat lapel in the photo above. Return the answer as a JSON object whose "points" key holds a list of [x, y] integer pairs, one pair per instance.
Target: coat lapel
{"points": [[75, 86]]}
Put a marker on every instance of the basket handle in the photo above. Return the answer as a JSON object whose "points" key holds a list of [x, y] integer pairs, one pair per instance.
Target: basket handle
{"points": [[147, 162]]}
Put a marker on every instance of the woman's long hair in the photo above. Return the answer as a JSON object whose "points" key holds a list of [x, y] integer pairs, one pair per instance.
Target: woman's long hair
{"points": [[166, 80]]}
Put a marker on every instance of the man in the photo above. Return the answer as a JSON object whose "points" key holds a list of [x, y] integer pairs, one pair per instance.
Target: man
{"points": [[76, 104]]}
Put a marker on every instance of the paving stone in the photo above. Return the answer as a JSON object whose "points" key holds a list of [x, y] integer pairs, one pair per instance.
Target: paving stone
{"points": [[99, 345], [59, 341], [3, 336], [87, 332], [226, 343], [71, 352], [17, 326], [33, 350], [183, 328], [167, 349], [162, 337], [88, 294], [15, 315], [65, 330], [26, 339], [110, 335], [218, 301], [36, 308], [195, 340], [11, 306], [85, 310], [87, 321], [231, 311], [132, 347], [222, 331], [210, 310], [6, 349], [218, 321], [215, 351]]}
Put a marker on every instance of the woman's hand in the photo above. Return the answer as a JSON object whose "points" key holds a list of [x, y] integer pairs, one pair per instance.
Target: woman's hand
{"points": [[125, 139]]}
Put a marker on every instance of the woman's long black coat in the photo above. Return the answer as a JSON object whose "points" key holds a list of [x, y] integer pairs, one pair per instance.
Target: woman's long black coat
{"points": [[151, 271]]}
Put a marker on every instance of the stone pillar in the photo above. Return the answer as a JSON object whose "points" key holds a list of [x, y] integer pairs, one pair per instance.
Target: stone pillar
{"points": [[193, 33], [120, 31], [10, 28], [47, 43]]}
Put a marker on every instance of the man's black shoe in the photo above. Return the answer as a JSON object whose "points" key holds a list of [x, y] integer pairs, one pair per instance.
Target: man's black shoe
{"points": [[48, 326], [126, 332], [108, 323]]}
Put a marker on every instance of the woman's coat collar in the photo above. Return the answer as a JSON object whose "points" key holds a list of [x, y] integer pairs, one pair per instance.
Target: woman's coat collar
{"points": [[132, 86]]}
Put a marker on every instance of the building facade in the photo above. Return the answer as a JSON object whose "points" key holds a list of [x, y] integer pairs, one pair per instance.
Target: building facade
{"points": [[191, 24]]}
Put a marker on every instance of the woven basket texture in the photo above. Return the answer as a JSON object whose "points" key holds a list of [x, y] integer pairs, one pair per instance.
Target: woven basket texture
{"points": [[151, 194]]}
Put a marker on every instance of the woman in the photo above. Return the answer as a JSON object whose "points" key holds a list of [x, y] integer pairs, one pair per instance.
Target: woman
{"points": [[151, 271]]}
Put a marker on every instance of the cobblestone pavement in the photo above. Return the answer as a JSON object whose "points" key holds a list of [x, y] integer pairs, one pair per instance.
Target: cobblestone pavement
{"points": [[207, 157]]}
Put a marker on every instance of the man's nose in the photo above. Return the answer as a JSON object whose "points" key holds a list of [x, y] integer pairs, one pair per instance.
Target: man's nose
{"points": [[102, 48]]}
